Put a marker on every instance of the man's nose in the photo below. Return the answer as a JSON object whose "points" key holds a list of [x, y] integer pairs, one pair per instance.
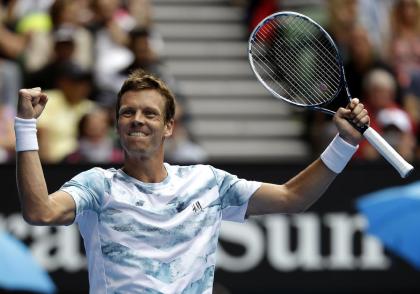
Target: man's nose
{"points": [[138, 118]]}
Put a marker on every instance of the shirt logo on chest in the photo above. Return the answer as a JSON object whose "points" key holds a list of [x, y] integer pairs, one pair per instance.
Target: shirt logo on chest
{"points": [[139, 203], [197, 208]]}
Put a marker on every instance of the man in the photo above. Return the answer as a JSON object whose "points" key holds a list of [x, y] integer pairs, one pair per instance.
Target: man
{"points": [[150, 227]]}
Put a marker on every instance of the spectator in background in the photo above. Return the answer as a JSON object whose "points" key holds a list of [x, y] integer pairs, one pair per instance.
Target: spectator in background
{"points": [[67, 104], [64, 47], [10, 82], [95, 143], [380, 95], [7, 137], [374, 16], [342, 17], [257, 10], [397, 130], [18, 10], [110, 26], [405, 54], [72, 14], [125, 39], [141, 10], [405, 40], [412, 105], [65, 27], [35, 27], [146, 58], [12, 45], [362, 59]]}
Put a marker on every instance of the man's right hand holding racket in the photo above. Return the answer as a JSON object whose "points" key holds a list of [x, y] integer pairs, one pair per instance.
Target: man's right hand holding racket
{"points": [[355, 113]]}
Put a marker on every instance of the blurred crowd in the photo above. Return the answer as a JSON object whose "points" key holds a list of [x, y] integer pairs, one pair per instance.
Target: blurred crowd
{"points": [[379, 41], [79, 52]]}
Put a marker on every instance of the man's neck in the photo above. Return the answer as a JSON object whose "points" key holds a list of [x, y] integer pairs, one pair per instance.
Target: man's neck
{"points": [[147, 170]]}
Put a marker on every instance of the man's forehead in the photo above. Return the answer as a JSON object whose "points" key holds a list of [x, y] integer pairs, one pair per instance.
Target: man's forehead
{"points": [[148, 96]]}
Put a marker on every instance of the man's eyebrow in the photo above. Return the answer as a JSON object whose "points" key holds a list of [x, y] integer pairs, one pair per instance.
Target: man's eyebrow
{"points": [[152, 108], [125, 107]]}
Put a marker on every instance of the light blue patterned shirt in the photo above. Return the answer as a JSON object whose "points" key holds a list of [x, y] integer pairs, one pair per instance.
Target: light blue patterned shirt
{"points": [[155, 237]]}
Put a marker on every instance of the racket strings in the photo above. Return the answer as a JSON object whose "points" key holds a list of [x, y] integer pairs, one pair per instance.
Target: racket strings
{"points": [[266, 65], [310, 79], [286, 57], [299, 30], [304, 25], [307, 71], [292, 76], [278, 45], [304, 71], [298, 92], [275, 77], [302, 37]]}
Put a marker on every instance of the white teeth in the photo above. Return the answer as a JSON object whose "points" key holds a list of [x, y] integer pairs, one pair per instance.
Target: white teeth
{"points": [[137, 134]]}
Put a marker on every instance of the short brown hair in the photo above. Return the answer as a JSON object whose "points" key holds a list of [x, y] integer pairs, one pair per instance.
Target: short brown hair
{"points": [[140, 80]]}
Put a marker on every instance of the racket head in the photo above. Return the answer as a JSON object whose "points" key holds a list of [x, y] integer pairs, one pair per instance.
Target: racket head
{"points": [[296, 60]]}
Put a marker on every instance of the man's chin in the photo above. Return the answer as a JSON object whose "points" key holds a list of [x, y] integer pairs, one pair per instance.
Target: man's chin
{"points": [[142, 153], [136, 151], [139, 151]]}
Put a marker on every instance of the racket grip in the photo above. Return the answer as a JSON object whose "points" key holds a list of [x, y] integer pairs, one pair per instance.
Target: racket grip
{"points": [[389, 153]]}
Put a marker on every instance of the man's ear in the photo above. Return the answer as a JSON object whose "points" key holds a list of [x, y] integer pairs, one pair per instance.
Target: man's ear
{"points": [[169, 127]]}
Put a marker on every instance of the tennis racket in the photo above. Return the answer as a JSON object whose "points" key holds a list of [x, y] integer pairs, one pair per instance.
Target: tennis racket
{"points": [[297, 61]]}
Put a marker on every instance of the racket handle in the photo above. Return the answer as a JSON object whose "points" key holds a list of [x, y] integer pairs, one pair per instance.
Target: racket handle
{"points": [[389, 153]]}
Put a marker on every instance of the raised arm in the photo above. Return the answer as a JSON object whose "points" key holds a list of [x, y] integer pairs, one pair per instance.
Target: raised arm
{"points": [[304, 189], [38, 207]]}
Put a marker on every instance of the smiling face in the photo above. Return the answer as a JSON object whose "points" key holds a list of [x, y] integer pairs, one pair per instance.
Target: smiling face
{"points": [[141, 123]]}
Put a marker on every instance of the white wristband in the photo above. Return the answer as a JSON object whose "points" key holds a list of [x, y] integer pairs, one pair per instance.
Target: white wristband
{"points": [[25, 130], [338, 154]]}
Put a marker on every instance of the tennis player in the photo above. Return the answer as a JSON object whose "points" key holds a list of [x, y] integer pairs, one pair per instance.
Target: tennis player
{"points": [[151, 227]]}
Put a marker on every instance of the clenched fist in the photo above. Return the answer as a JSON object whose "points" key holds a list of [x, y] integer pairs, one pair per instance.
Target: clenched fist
{"points": [[31, 103], [355, 113]]}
